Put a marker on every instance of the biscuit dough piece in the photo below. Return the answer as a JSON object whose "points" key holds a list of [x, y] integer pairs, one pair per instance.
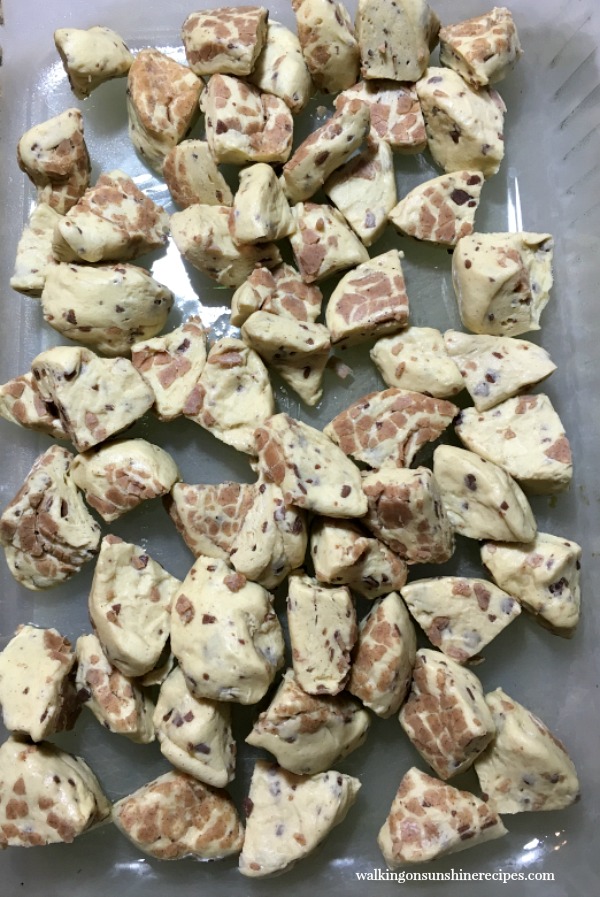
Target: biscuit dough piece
{"points": [[306, 733], [325, 150], [465, 127], [482, 500], [233, 395], [441, 210], [525, 436], [209, 517], [243, 124], [22, 404], [260, 210], [544, 577], [368, 301], [395, 38], [117, 702], [54, 157], [194, 735], [48, 796], [483, 49], [342, 554], [171, 365], [323, 243], [95, 397], [227, 39], [502, 281], [312, 472], [113, 221], [384, 656], [46, 530], [395, 111], [107, 307], [289, 815], [121, 475], [417, 359], [162, 105], [37, 683], [440, 819], [280, 68], [460, 616], [225, 634], [329, 46], [192, 176], [322, 625], [175, 816], [525, 767], [129, 606], [445, 715], [495, 368], [387, 428], [280, 291], [91, 57], [407, 513], [34, 251]]}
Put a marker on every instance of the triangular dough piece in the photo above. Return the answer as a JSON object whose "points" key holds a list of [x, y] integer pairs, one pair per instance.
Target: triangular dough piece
{"points": [[441, 210]]}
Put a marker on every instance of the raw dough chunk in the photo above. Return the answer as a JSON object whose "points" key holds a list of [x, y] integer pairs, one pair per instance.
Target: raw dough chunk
{"points": [[322, 624], [192, 176], [525, 436], [384, 656], [289, 815], [330, 49], [228, 39], [95, 397], [482, 50], [175, 816], [121, 475], [441, 210], [364, 190], [54, 156], [48, 796], [209, 517], [502, 281], [91, 57], [342, 554], [417, 359], [113, 221], [544, 577], [494, 368], [107, 307], [171, 365], [526, 767], [395, 110], [445, 715], [297, 350], [307, 733], [260, 209], [34, 251], [464, 126], [162, 104], [233, 395], [115, 700], [280, 68], [325, 150], [194, 735], [225, 634], [129, 606], [460, 616], [201, 234], [429, 819], [369, 301], [312, 472], [407, 513], [323, 244], [22, 404], [280, 291], [243, 124], [481, 500], [395, 38], [37, 683], [46, 530], [387, 428]]}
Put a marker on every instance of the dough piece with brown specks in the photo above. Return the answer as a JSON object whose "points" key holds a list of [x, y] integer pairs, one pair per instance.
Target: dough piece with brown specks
{"points": [[192, 176], [227, 39], [35, 257], [280, 291], [329, 46], [280, 68], [441, 210], [22, 404], [91, 57], [260, 210], [209, 517], [395, 38], [483, 49], [395, 111], [417, 359], [323, 243]]}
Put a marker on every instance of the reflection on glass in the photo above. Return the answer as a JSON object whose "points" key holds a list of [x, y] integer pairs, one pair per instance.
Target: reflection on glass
{"points": [[513, 203]]}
